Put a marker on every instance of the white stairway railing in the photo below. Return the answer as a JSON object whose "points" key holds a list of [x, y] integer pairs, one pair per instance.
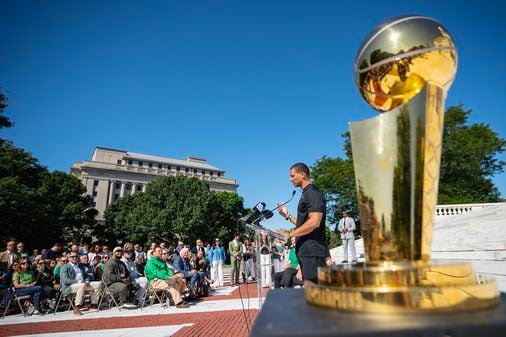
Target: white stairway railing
{"points": [[445, 210]]}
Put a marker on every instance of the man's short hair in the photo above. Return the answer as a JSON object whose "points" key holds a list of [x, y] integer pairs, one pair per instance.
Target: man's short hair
{"points": [[301, 167]]}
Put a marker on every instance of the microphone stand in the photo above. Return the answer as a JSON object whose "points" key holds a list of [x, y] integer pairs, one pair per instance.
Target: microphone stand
{"points": [[257, 229]]}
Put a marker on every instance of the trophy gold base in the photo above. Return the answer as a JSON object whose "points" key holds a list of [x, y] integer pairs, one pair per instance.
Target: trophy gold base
{"points": [[403, 287]]}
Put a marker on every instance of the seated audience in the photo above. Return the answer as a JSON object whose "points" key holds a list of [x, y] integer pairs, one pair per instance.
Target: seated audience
{"points": [[25, 283], [117, 278], [161, 277], [75, 281], [136, 278], [182, 265], [292, 270]]}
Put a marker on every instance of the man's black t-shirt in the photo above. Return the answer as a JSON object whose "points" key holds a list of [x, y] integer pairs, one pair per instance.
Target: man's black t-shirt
{"points": [[314, 243]]}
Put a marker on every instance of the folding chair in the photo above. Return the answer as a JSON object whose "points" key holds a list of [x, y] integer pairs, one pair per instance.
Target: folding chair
{"points": [[10, 297], [153, 294], [69, 299], [109, 296]]}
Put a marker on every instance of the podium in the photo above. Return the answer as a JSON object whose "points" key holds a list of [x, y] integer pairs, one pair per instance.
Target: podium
{"points": [[286, 313]]}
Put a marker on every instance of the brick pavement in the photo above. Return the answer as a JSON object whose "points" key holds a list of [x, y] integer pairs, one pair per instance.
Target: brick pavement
{"points": [[220, 315]]}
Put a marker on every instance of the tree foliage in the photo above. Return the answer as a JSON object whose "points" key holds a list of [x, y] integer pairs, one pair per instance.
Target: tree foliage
{"points": [[5, 122], [40, 207], [172, 209], [468, 161]]}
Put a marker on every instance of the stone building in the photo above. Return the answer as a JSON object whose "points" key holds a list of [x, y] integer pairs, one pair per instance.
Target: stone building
{"points": [[112, 174]]}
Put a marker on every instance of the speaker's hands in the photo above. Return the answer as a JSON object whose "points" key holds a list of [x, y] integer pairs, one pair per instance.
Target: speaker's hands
{"points": [[283, 211]]}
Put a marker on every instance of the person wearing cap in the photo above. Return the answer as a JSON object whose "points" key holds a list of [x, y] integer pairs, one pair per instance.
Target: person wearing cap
{"points": [[161, 277], [135, 277], [117, 278]]}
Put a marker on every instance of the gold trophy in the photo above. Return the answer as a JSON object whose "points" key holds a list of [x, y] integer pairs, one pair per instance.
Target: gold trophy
{"points": [[403, 70]]}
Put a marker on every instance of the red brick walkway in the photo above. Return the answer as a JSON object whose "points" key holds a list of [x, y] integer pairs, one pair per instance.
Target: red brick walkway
{"points": [[233, 323]]}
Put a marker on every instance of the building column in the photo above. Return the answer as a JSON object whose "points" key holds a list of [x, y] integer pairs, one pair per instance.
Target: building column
{"points": [[134, 186], [143, 188], [122, 190], [111, 192]]}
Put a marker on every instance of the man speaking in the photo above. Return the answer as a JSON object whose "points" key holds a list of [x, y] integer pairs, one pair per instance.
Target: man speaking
{"points": [[311, 247]]}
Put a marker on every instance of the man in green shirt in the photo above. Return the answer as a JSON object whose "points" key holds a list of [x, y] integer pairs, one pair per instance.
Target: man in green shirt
{"points": [[292, 268], [161, 277]]}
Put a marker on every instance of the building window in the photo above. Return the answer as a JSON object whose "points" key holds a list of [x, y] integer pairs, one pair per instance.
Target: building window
{"points": [[159, 166], [118, 161], [129, 186], [195, 171], [93, 204], [150, 164], [186, 169], [211, 173], [139, 188], [116, 196], [95, 183], [94, 193], [178, 168], [140, 163], [219, 174], [130, 162], [117, 185]]}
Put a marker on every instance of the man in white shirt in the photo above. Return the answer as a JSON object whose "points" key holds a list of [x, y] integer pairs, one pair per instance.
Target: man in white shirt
{"points": [[135, 277], [75, 280], [346, 227]]}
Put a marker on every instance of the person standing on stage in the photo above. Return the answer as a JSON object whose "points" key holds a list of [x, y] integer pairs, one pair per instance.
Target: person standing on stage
{"points": [[311, 247], [346, 227]]}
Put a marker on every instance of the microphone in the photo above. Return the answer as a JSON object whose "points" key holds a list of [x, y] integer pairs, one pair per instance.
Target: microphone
{"points": [[258, 211], [286, 202]]}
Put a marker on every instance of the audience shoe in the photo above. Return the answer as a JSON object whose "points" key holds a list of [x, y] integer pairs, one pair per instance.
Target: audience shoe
{"points": [[353, 261], [30, 311], [182, 305], [77, 311], [128, 306], [93, 306], [344, 261]]}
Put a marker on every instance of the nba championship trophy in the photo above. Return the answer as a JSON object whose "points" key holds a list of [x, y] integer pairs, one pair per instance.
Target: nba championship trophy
{"points": [[403, 70]]}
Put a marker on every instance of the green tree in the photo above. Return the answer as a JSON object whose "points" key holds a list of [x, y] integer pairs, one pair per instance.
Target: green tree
{"points": [[5, 122], [468, 160], [113, 229], [231, 208], [68, 210], [39, 207], [171, 209]]}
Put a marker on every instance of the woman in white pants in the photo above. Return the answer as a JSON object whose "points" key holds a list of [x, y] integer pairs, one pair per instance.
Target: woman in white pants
{"points": [[217, 257], [265, 260]]}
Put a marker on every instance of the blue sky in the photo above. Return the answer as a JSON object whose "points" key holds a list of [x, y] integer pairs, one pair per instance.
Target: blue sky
{"points": [[252, 86]]}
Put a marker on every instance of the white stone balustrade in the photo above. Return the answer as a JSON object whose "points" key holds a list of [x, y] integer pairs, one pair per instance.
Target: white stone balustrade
{"points": [[445, 210]]}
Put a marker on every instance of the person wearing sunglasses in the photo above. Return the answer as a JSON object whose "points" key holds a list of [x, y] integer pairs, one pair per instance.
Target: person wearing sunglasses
{"points": [[74, 280], [24, 282]]}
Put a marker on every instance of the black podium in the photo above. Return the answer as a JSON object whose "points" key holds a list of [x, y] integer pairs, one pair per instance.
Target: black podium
{"points": [[286, 313]]}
